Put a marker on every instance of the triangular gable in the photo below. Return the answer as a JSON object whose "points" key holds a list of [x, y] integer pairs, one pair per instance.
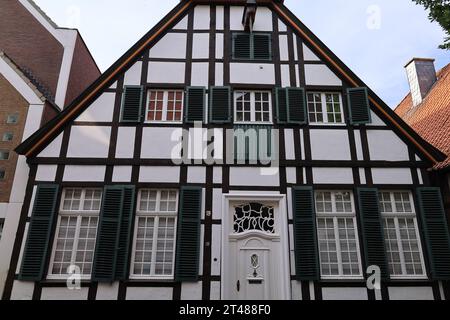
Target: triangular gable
{"points": [[43, 137]]}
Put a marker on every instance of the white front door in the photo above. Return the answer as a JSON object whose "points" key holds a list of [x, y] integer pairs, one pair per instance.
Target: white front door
{"points": [[255, 265]]}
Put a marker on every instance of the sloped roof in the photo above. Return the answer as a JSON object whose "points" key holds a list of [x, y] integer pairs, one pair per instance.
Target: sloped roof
{"points": [[431, 118], [30, 81], [45, 135]]}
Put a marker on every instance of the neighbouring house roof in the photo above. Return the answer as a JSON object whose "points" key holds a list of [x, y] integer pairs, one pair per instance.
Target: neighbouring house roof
{"points": [[431, 118], [33, 145], [30, 81]]}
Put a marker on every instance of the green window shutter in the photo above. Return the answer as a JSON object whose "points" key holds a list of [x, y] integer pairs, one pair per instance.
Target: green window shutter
{"points": [[241, 46], [281, 99], [435, 231], [305, 235], [372, 230], [359, 108], [125, 233], [262, 47], [220, 105], [132, 104], [296, 106], [39, 231], [188, 235], [106, 249], [195, 104]]}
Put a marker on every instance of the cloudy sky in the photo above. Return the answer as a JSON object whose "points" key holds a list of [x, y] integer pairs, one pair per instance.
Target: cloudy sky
{"points": [[375, 38]]}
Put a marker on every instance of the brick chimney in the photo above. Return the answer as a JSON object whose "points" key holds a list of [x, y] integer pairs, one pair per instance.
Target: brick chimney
{"points": [[421, 77]]}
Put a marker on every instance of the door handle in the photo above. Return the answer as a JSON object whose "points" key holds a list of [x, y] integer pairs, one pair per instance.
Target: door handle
{"points": [[238, 285]]}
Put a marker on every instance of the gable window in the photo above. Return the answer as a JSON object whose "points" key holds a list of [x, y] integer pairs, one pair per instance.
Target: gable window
{"points": [[76, 232], [252, 46], [325, 108], [12, 119], [165, 106], [253, 107], [7, 136], [154, 236], [401, 235], [4, 155], [337, 235]]}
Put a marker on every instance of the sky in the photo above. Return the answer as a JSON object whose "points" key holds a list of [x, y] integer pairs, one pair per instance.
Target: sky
{"points": [[374, 38]]}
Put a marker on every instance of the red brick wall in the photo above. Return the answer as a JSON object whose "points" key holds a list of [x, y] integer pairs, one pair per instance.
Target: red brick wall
{"points": [[29, 44], [83, 71]]}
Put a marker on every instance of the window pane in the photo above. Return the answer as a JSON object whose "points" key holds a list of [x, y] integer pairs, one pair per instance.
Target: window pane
{"points": [[165, 246], [144, 246], [64, 243], [86, 244]]}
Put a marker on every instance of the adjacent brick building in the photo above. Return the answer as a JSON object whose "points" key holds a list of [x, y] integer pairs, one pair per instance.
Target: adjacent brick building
{"points": [[42, 69], [427, 110]]}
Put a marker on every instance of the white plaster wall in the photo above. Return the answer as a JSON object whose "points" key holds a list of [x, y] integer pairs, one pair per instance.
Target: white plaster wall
{"points": [[308, 55], [296, 290], [219, 46], [101, 110], [252, 73], [220, 16], [332, 175], [376, 120], [281, 26], [216, 249], [149, 294], [22, 290], [284, 52], [263, 19], [89, 142], [159, 174], [125, 142], [107, 291], [46, 173], [236, 13], [161, 143], [84, 173], [285, 76], [217, 204], [411, 293], [358, 143], [172, 45], [202, 17], [362, 175], [33, 121], [53, 149], [386, 145], [215, 290], [391, 176], [320, 75], [182, 25], [166, 72], [217, 175], [133, 75], [64, 294], [330, 145], [122, 173], [191, 290], [200, 74], [240, 176], [289, 143], [219, 74], [344, 294], [196, 174], [200, 46], [291, 175]]}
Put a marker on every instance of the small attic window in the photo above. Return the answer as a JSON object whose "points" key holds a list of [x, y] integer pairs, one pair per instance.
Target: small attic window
{"points": [[252, 46]]}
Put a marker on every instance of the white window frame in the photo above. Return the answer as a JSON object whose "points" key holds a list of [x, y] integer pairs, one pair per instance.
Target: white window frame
{"points": [[336, 216], [252, 106], [165, 105], [5, 152], [14, 116], [323, 99], [400, 215], [79, 214], [156, 215], [7, 137]]}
